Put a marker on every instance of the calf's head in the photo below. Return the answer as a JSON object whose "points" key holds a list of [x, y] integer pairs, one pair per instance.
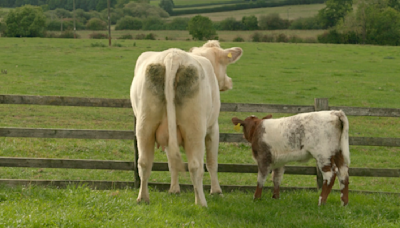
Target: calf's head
{"points": [[220, 59], [249, 125]]}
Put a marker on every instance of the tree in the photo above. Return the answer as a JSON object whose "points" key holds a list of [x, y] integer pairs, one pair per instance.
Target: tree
{"points": [[334, 11], [167, 5], [231, 24], [374, 22], [3, 28], [96, 24], [395, 4], [178, 23], [102, 4], [250, 22], [272, 21], [26, 21], [129, 23], [201, 27], [153, 23]]}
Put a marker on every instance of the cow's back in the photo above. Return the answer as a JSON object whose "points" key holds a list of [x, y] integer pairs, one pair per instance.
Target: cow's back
{"points": [[297, 137]]}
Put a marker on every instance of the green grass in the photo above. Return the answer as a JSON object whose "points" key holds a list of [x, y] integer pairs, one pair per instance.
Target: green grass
{"points": [[349, 75], [82, 207], [185, 36], [291, 12]]}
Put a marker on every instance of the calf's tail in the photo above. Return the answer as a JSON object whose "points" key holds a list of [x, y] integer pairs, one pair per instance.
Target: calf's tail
{"points": [[344, 140]]}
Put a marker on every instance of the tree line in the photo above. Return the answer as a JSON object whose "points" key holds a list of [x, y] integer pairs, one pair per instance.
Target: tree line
{"points": [[371, 22], [86, 5]]}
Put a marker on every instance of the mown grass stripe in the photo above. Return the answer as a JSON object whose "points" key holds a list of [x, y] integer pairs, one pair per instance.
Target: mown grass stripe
{"points": [[116, 134], [163, 166]]}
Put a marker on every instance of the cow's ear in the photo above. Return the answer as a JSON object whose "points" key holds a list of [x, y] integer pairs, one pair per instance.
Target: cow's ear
{"points": [[237, 121], [267, 117], [233, 54]]}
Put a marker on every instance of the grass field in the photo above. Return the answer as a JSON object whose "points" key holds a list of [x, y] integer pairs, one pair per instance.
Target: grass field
{"points": [[286, 12], [190, 2], [185, 36], [349, 75]]}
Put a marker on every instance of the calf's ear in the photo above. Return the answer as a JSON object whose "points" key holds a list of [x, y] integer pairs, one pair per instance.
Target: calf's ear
{"points": [[267, 117], [236, 121]]}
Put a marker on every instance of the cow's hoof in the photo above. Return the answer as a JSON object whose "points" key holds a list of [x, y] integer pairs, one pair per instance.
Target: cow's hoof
{"points": [[175, 192], [141, 200], [217, 194]]}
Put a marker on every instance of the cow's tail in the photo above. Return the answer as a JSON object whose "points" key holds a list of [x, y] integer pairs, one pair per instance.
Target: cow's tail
{"points": [[344, 140], [171, 67]]}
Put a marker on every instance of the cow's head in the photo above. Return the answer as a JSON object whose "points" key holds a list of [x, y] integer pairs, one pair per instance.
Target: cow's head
{"points": [[220, 59], [249, 125]]}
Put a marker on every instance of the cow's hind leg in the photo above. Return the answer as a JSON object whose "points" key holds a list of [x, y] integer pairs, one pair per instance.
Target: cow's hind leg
{"points": [[212, 143], [145, 140], [174, 188], [326, 166], [194, 148], [277, 179]]}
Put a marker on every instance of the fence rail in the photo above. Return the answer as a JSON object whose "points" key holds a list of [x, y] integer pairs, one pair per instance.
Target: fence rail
{"points": [[163, 166], [319, 104], [117, 134], [225, 107]]}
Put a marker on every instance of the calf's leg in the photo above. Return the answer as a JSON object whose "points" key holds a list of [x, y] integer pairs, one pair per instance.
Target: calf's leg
{"points": [[263, 170], [277, 179], [343, 176], [325, 165]]}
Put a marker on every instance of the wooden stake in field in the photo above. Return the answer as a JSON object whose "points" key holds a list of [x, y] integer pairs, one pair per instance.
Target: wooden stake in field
{"points": [[74, 20], [109, 24]]}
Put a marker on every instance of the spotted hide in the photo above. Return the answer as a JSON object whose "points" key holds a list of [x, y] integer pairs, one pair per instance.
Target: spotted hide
{"points": [[175, 97], [320, 135]]}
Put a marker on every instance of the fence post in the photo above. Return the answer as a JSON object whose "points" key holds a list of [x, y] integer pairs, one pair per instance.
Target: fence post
{"points": [[135, 163], [320, 104]]}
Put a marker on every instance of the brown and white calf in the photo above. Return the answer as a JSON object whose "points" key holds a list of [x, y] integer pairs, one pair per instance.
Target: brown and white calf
{"points": [[320, 135]]}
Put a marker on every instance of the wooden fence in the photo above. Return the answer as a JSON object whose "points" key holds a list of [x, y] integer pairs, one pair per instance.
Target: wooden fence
{"points": [[319, 104]]}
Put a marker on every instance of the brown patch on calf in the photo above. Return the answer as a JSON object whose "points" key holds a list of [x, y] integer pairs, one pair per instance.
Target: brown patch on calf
{"points": [[276, 192], [262, 152], [253, 131], [326, 168], [258, 193], [326, 189], [338, 159], [345, 192]]}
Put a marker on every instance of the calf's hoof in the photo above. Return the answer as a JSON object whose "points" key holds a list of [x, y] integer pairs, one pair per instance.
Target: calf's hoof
{"points": [[275, 196]]}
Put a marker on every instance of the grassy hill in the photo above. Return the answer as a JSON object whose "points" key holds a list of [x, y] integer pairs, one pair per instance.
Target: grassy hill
{"points": [[272, 73], [287, 12]]}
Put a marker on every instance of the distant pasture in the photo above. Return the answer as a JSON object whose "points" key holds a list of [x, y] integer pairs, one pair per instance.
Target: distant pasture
{"points": [[291, 12]]}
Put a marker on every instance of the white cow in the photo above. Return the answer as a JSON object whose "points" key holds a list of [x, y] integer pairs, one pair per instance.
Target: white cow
{"points": [[175, 99]]}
